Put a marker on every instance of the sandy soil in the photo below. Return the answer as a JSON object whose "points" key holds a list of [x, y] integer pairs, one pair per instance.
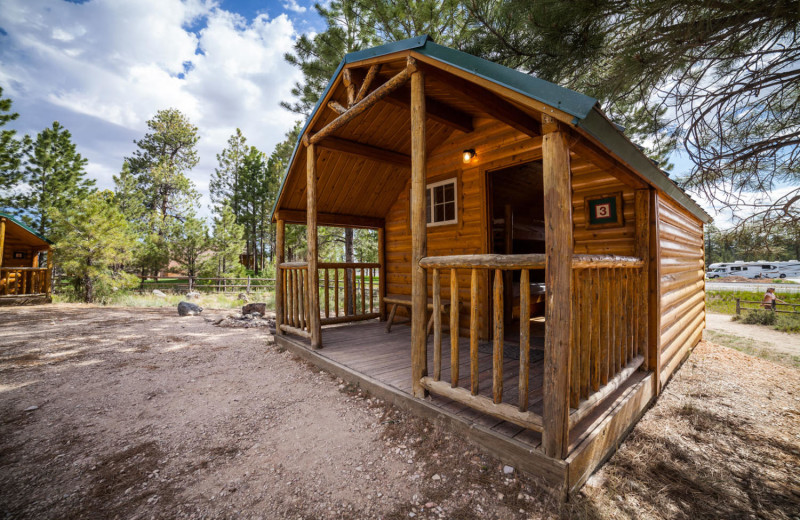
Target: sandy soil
{"points": [[141, 414], [763, 335]]}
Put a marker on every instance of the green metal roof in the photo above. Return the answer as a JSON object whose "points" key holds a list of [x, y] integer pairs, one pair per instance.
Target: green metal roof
{"points": [[585, 109], [25, 227]]}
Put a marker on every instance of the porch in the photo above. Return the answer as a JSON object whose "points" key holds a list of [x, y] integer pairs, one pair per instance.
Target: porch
{"points": [[23, 280], [365, 355]]}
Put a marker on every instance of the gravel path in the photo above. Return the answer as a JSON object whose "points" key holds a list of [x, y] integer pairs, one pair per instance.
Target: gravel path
{"points": [[763, 335]]}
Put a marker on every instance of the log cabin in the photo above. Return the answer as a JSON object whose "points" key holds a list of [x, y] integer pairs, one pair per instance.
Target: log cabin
{"points": [[550, 274], [22, 279]]}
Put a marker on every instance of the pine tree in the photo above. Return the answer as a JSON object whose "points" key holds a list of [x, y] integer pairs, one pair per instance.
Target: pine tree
{"points": [[227, 243], [188, 242], [164, 156], [224, 184], [54, 175], [92, 240], [11, 152]]}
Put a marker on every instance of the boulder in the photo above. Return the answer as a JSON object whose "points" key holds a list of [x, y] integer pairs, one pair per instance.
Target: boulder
{"points": [[192, 295], [158, 293], [243, 297], [189, 309], [259, 308]]}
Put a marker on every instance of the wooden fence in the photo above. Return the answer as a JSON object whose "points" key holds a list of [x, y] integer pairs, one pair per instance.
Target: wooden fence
{"points": [[774, 307], [193, 283], [24, 281]]}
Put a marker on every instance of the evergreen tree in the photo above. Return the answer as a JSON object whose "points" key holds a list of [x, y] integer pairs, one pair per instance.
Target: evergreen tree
{"points": [[721, 78], [92, 239], [54, 175], [225, 180], [227, 243], [164, 156], [11, 152], [188, 242], [130, 199]]}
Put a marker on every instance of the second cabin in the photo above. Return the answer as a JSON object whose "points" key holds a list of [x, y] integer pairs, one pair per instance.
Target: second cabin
{"points": [[539, 278]]}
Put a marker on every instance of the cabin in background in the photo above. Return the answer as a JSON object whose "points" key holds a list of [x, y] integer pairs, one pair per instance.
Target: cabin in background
{"points": [[23, 280], [551, 274]]}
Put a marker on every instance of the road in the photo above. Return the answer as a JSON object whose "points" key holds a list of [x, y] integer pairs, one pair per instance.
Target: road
{"points": [[744, 286]]}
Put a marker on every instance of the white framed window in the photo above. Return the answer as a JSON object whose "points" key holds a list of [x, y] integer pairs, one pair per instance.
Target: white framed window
{"points": [[441, 205]]}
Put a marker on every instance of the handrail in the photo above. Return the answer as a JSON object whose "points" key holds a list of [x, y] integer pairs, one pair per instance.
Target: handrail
{"points": [[348, 265], [293, 265], [23, 269], [528, 261], [505, 262]]}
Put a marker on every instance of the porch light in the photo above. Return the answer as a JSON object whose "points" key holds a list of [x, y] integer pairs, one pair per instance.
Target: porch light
{"points": [[467, 155]]}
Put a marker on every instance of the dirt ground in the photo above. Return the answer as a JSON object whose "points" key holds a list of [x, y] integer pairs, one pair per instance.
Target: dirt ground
{"points": [[136, 413], [766, 336]]}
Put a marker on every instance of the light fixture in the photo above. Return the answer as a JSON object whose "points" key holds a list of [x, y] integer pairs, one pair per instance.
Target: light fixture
{"points": [[467, 155]]}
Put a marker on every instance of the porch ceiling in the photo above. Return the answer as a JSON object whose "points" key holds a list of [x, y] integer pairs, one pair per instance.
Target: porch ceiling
{"points": [[365, 165], [20, 237]]}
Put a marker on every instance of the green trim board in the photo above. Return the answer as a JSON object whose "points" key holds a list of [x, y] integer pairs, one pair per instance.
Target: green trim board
{"points": [[25, 227], [585, 110]]}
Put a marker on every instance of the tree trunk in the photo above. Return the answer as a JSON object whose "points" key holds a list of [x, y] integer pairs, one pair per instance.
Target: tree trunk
{"points": [[349, 304], [88, 285]]}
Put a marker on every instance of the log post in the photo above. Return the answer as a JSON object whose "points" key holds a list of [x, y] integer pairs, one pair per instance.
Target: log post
{"points": [[312, 285], [419, 239], [382, 272], [654, 297], [3, 239], [280, 282], [49, 274], [642, 251], [558, 280]]}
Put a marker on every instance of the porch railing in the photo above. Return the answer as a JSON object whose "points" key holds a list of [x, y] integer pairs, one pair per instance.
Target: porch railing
{"points": [[609, 316], [293, 278], [495, 406], [349, 291], [20, 281]]}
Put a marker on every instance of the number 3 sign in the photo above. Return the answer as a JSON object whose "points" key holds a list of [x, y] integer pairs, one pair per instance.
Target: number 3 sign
{"points": [[604, 211]]}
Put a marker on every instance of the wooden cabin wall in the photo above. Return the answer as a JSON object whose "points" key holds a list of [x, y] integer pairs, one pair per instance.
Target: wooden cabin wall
{"points": [[588, 180], [496, 146], [682, 283]]}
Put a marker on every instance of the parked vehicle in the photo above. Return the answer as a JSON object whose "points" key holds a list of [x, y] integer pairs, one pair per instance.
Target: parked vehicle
{"points": [[760, 269]]}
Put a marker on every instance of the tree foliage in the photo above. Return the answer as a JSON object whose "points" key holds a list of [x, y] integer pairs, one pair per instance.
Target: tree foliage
{"points": [[188, 242], [721, 79], [11, 152], [54, 177], [160, 164], [92, 241]]}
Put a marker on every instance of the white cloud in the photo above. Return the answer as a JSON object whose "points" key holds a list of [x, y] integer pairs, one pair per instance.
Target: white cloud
{"points": [[104, 67], [292, 5]]}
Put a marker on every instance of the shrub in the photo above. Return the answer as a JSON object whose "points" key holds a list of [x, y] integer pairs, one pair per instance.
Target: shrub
{"points": [[760, 317], [788, 323]]}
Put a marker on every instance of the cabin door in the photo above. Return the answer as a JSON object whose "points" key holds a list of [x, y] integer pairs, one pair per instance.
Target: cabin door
{"points": [[516, 208]]}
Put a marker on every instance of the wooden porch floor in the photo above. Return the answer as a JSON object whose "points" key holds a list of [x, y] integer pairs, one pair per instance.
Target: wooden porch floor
{"points": [[366, 348]]}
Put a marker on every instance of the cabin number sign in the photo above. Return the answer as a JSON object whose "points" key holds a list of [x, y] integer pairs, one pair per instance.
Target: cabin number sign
{"points": [[604, 211]]}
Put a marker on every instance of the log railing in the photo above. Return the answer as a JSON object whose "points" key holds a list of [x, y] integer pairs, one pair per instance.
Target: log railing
{"points": [[608, 331], [19, 281], [517, 414], [293, 278], [350, 292]]}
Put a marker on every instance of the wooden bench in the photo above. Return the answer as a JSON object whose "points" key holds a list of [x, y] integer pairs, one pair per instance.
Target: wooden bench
{"points": [[405, 301]]}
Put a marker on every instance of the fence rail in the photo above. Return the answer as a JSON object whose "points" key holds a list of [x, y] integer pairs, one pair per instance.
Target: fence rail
{"points": [[193, 283], [340, 294], [774, 306]]}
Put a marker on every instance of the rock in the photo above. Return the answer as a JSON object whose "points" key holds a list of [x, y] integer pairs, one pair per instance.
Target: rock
{"points": [[436, 477], [508, 470], [31, 408], [158, 293], [192, 295], [188, 309], [243, 297], [259, 308]]}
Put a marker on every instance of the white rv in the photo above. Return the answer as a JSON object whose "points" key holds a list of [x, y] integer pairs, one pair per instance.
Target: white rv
{"points": [[744, 269]]}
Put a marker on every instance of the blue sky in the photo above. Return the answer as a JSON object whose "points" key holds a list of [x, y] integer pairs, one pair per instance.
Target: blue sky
{"points": [[102, 68]]}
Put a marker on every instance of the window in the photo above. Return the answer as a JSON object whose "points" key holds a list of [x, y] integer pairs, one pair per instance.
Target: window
{"points": [[440, 203]]}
